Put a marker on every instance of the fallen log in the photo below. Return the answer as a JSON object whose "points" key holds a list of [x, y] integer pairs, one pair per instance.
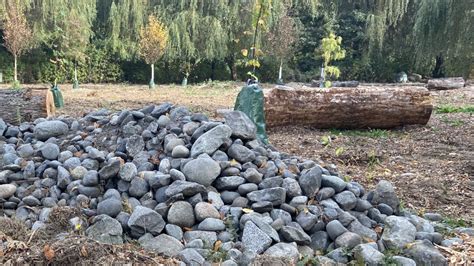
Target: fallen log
{"points": [[351, 83], [347, 108], [446, 83], [17, 106]]}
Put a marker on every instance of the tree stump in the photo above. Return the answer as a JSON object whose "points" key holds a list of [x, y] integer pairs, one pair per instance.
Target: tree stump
{"points": [[17, 106], [348, 108]]}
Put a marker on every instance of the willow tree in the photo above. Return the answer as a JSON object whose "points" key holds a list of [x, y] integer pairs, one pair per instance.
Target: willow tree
{"points": [[153, 40], [17, 34]]}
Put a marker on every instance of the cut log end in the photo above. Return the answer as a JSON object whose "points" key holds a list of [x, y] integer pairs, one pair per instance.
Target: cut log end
{"points": [[26, 105]]}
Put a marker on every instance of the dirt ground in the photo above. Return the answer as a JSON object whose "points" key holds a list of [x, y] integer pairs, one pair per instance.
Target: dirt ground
{"points": [[432, 166]]}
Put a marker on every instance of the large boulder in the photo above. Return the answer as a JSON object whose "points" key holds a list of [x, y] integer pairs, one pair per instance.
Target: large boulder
{"points": [[398, 232], [202, 170], [144, 220], [241, 125], [210, 141], [48, 129], [105, 229]]}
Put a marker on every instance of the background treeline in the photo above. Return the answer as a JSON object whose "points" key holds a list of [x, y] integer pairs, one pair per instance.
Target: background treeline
{"points": [[210, 39]]}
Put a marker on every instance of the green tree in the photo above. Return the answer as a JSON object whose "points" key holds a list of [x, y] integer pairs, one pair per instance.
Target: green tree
{"points": [[153, 40], [330, 51]]}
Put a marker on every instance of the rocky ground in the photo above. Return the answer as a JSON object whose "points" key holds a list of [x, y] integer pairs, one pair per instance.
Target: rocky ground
{"points": [[173, 183]]}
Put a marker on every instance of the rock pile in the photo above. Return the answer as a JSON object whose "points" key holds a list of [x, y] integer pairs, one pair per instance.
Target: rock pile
{"points": [[201, 190]]}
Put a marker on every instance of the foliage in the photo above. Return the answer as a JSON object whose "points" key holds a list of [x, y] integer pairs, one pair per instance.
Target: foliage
{"points": [[307, 260], [153, 39], [16, 32], [447, 109], [330, 51]]}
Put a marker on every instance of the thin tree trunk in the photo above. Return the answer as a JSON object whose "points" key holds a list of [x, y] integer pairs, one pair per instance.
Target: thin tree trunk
{"points": [[15, 69], [280, 73], [213, 70], [153, 73], [75, 72], [260, 12]]}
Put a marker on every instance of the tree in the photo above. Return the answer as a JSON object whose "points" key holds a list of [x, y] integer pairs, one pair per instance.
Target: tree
{"points": [[281, 40], [153, 40], [331, 50], [16, 33]]}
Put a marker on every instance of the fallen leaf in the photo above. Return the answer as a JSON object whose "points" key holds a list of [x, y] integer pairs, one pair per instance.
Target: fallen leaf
{"points": [[48, 252], [217, 245], [247, 210]]}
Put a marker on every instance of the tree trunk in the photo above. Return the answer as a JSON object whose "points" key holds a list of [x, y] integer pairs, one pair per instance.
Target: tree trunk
{"points": [[26, 105], [153, 73], [280, 72], [213, 70], [347, 108], [15, 71], [446, 83]]}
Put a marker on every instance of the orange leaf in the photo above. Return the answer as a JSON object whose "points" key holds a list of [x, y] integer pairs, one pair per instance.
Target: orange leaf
{"points": [[217, 246], [48, 252]]}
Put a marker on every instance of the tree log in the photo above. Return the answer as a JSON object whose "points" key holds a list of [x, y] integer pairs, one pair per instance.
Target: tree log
{"points": [[351, 83], [25, 105], [446, 83], [348, 108]]}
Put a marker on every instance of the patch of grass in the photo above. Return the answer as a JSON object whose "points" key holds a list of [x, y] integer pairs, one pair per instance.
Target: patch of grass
{"points": [[457, 222], [371, 133], [388, 259], [307, 260], [449, 109], [453, 122], [217, 256]]}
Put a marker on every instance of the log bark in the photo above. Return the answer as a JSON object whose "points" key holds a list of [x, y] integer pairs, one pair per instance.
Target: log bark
{"points": [[17, 106], [446, 83], [351, 83], [347, 108]]}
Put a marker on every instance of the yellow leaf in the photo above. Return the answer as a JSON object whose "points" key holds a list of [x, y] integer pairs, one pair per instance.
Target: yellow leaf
{"points": [[233, 162], [247, 210], [244, 52], [217, 245]]}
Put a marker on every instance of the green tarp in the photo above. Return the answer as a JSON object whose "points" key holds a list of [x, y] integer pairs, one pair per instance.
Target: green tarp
{"points": [[57, 96], [250, 101]]}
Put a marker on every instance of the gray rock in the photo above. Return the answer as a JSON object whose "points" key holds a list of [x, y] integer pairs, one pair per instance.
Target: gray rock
{"points": [[211, 224], [25, 150], [334, 229], [339, 255], [50, 151], [210, 141], [241, 153], [348, 240], [228, 182], [7, 190], [346, 199], [307, 220], [186, 188], [196, 243], [209, 238], [128, 171], [191, 257], [365, 232], [262, 224], [319, 241], [180, 151], [334, 182], [91, 178], [367, 254], [215, 199], [253, 176], [105, 230], [325, 193], [244, 189], [138, 187], [435, 217], [385, 193], [451, 242], [242, 127], [174, 231], [283, 250], [385, 209], [398, 232], [292, 234], [205, 210], [424, 253], [145, 220], [254, 239], [292, 187], [111, 207], [202, 170], [162, 244], [111, 169], [403, 261], [31, 201], [181, 213], [135, 145], [48, 129], [276, 196], [310, 181], [363, 205], [3, 127], [92, 192], [421, 224]]}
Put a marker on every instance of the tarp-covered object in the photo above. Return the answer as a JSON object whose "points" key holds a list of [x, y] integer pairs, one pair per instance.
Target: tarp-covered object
{"points": [[250, 101], [58, 97]]}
